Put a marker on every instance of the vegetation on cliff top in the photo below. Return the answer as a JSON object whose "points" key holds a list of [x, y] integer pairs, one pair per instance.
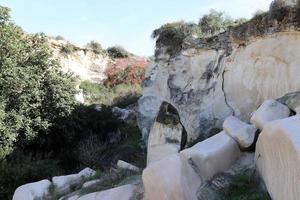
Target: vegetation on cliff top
{"points": [[171, 36]]}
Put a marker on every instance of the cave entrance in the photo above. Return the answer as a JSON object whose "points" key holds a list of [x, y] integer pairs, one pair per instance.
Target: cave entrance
{"points": [[167, 135]]}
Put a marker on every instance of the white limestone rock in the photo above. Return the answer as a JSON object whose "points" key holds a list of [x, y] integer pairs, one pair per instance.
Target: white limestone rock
{"points": [[127, 166], [278, 158], [63, 184], [241, 132], [164, 140], [213, 155], [119, 193], [171, 178], [87, 172], [32, 191], [207, 85], [269, 111]]}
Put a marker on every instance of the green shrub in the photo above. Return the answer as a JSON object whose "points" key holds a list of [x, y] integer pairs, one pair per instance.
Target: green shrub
{"points": [[67, 49], [4, 15], [95, 46], [117, 52], [215, 22], [59, 37], [120, 95], [244, 185], [171, 36]]}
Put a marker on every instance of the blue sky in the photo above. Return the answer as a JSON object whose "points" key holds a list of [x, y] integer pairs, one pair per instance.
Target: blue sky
{"points": [[128, 23]]}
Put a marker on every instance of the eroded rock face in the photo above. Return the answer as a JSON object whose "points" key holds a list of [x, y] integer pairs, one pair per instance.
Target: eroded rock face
{"points": [[278, 158], [269, 111], [244, 134], [31, 191], [207, 83]]}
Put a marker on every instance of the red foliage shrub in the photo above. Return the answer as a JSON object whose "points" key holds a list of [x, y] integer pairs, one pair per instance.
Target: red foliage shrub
{"points": [[125, 70]]}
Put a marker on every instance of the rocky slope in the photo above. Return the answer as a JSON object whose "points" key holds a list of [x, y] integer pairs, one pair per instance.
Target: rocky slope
{"points": [[83, 62]]}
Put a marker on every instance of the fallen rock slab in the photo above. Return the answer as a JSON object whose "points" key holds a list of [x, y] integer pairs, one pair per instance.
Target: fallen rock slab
{"points": [[127, 166], [243, 133], [278, 158], [213, 155], [171, 178], [269, 111], [32, 191]]}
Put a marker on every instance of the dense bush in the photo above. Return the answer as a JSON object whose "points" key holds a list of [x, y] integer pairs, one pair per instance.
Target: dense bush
{"points": [[59, 37], [171, 36], [131, 74], [33, 91], [67, 49], [215, 22], [117, 52], [120, 95], [95, 46]]}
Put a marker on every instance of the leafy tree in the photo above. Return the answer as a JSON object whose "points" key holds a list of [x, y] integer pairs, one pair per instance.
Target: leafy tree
{"points": [[67, 49], [171, 35], [215, 22], [95, 46], [4, 15], [34, 93], [117, 52]]}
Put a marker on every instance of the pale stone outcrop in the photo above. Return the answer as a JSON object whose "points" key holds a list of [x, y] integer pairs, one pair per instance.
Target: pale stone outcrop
{"points": [[32, 191], [208, 84], [269, 111], [278, 158], [164, 140], [171, 178], [119, 193], [127, 166], [212, 156], [241, 132], [63, 184]]}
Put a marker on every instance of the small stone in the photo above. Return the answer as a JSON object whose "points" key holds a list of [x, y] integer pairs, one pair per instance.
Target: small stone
{"points": [[242, 133]]}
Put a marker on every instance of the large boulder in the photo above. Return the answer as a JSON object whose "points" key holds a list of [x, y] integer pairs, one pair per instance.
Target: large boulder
{"points": [[241, 132], [32, 191], [269, 111], [171, 178], [212, 156], [119, 193], [278, 158]]}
